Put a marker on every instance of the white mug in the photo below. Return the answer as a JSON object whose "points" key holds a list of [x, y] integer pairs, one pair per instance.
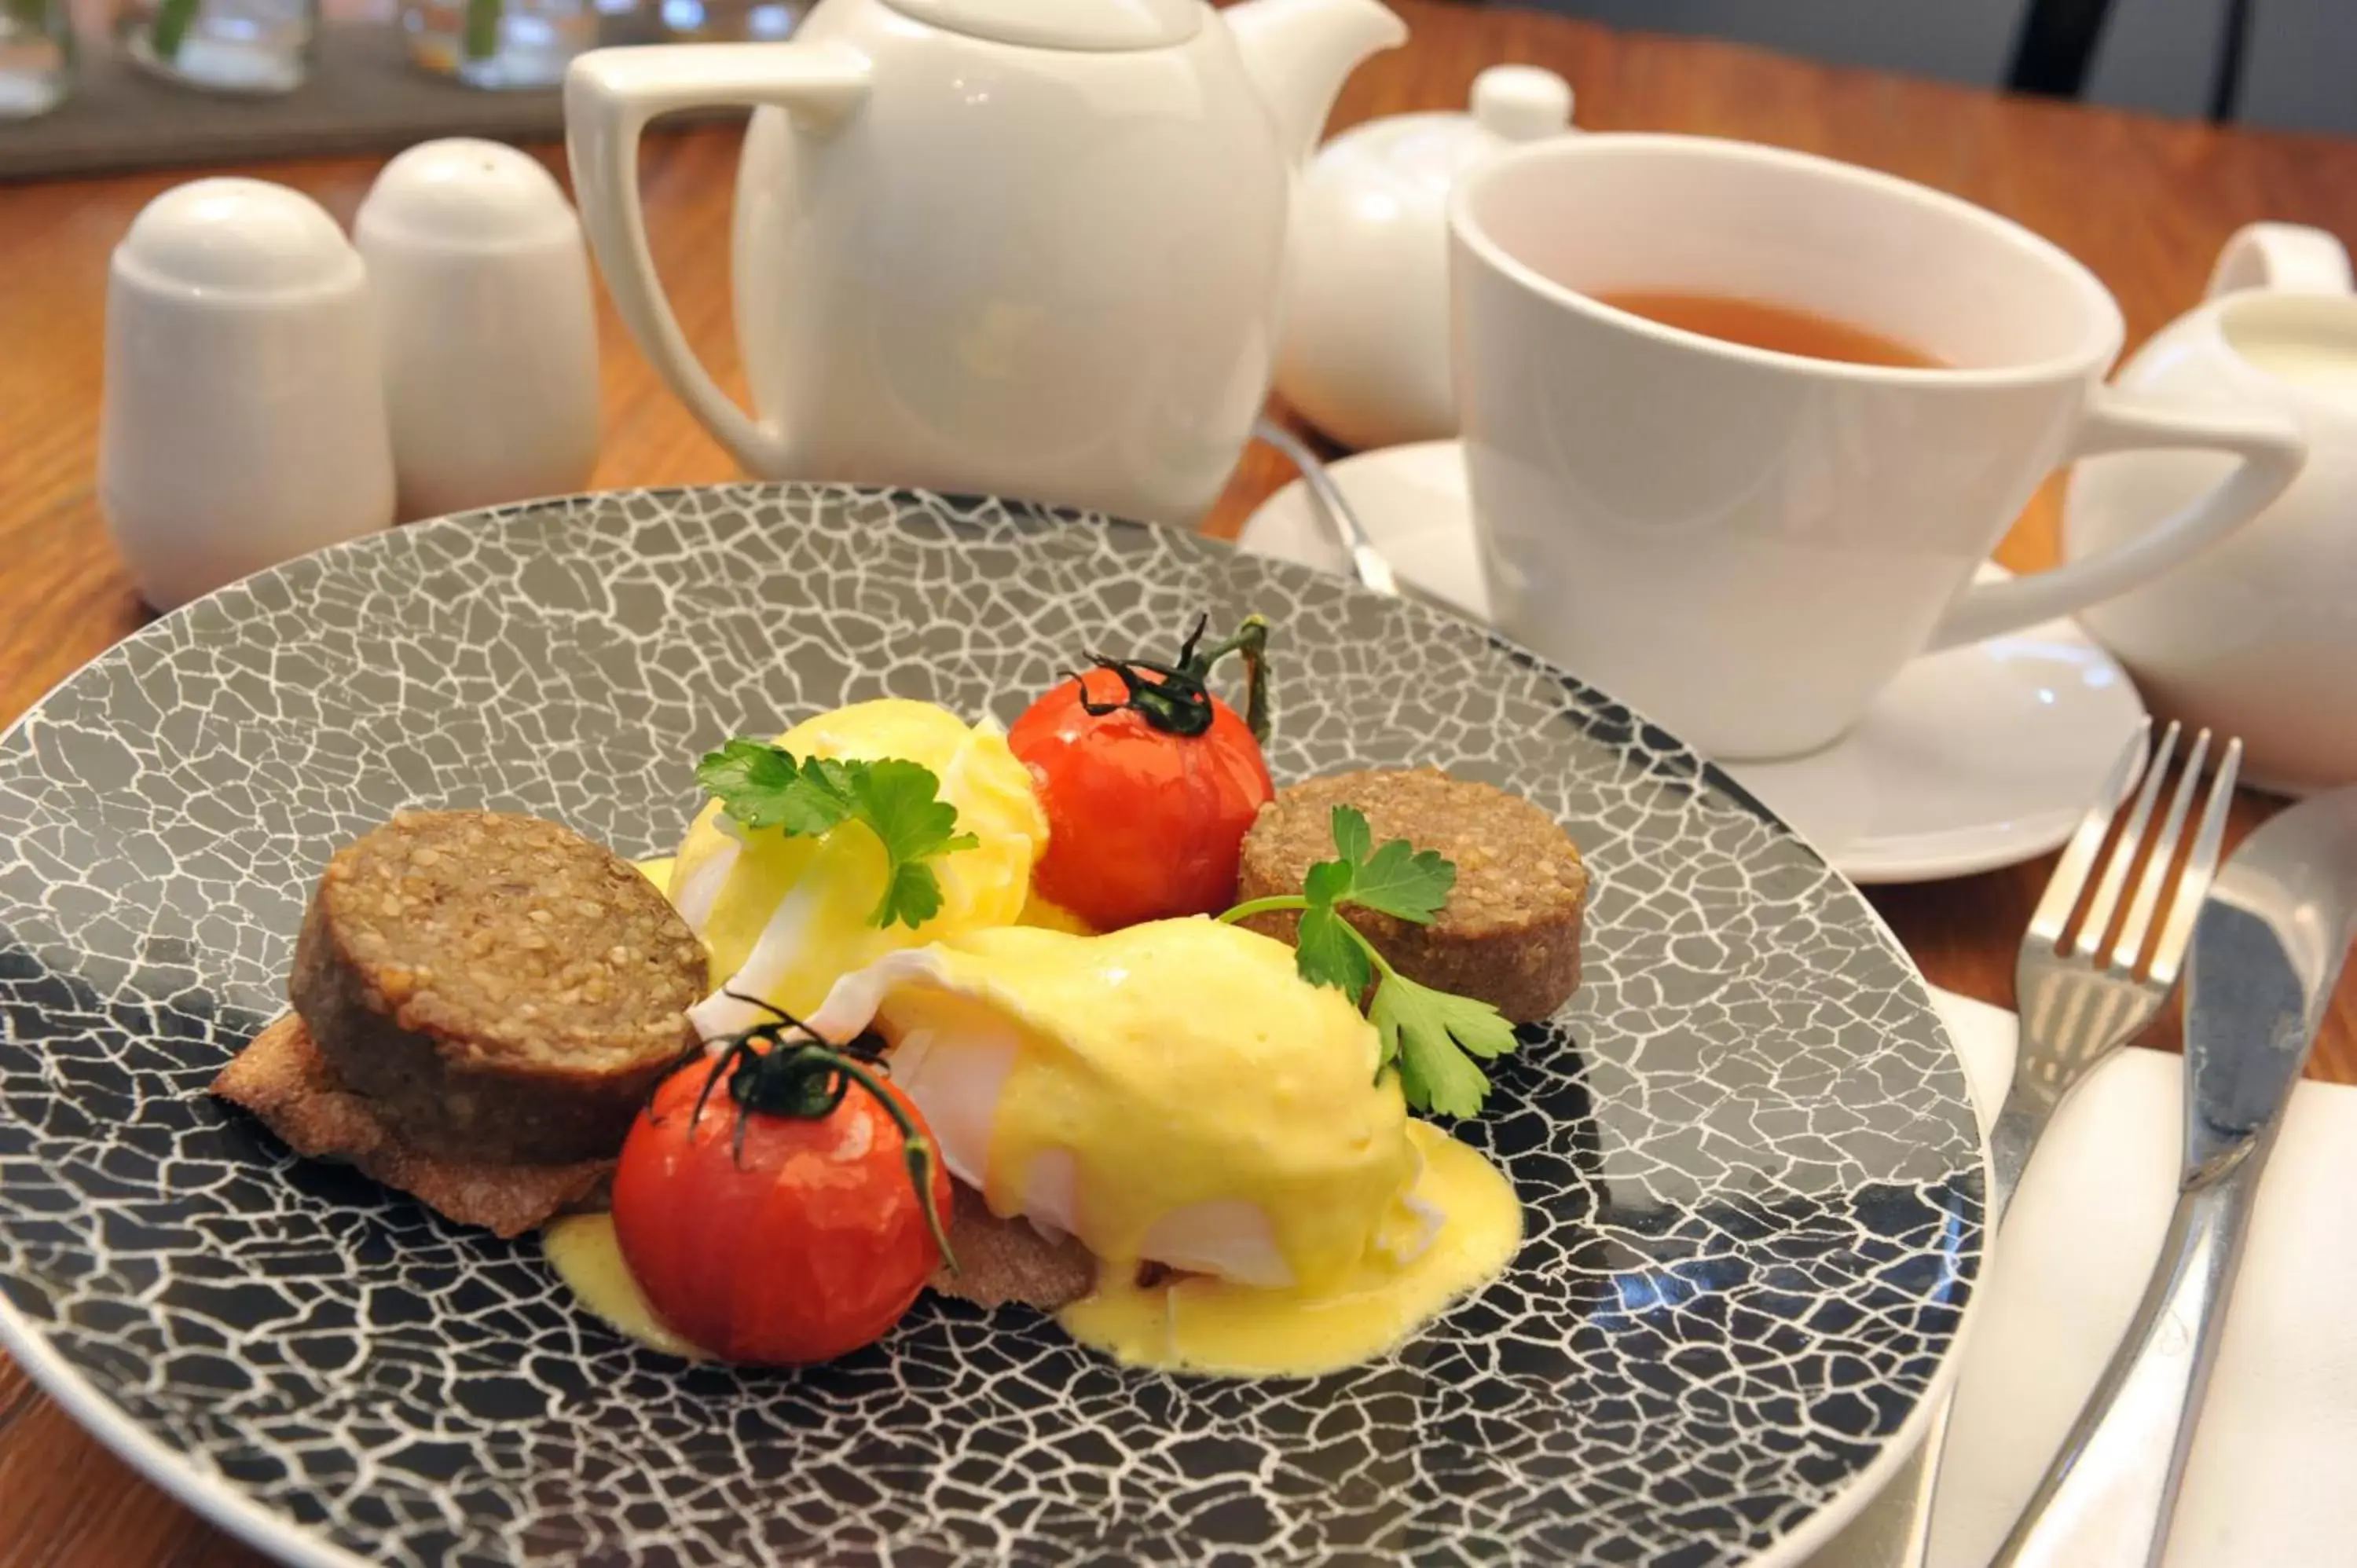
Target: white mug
{"points": [[1743, 544]]}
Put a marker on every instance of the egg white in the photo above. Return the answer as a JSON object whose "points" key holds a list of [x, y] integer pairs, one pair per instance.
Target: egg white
{"points": [[959, 1077]]}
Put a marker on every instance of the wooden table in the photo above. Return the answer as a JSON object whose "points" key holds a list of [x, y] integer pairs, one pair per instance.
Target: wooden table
{"points": [[2145, 203]]}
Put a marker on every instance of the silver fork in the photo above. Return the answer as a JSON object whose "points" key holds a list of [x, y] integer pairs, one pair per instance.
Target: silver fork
{"points": [[2080, 1004]]}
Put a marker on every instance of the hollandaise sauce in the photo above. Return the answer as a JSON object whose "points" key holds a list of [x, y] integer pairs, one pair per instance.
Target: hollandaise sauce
{"points": [[1200, 1323], [784, 916], [1170, 1090], [1039, 911], [582, 1249]]}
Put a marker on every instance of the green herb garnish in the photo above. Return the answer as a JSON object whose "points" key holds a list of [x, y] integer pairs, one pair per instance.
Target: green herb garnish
{"points": [[765, 785], [1431, 1036]]}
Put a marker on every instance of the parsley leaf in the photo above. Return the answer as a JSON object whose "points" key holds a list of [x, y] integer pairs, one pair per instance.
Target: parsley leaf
{"points": [[901, 805], [1328, 882], [765, 785], [1431, 1036], [1327, 951], [756, 783], [1353, 840], [1435, 1034], [1394, 879]]}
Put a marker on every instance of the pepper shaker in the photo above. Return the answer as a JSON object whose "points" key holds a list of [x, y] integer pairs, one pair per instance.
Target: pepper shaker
{"points": [[490, 332], [243, 418]]}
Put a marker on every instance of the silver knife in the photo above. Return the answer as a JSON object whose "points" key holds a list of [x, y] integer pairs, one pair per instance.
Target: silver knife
{"points": [[2267, 951]]}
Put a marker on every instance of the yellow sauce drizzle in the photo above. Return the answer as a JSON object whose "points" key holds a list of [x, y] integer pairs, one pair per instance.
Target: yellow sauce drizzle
{"points": [[1260, 1091], [582, 1251], [1203, 1325], [1039, 911]]}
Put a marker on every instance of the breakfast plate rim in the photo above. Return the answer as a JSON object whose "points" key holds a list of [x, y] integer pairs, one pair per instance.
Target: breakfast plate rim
{"points": [[213, 1497], [223, 1502]]}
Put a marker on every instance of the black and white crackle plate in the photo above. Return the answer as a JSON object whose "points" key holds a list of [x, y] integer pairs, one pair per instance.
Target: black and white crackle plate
{"points": [[1749, 1164]]}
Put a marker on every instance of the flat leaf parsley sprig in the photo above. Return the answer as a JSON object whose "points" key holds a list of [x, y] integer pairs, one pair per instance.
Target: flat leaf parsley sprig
{"points": [[766, 786], [1433, 1036]]}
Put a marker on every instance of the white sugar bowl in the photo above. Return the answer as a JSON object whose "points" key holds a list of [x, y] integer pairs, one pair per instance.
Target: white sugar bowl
{"points": [[1364, 352], [2256, 636], [489, 328], [243, 418]]}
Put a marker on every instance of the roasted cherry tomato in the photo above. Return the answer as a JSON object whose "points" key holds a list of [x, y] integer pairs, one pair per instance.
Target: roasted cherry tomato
{"points": [[1149, 783], [782, 1204]]}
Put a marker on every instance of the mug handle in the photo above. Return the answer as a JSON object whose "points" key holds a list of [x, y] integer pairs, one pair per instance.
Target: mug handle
{"points": [[2272, 449], [2290, 257], [610, 96]]}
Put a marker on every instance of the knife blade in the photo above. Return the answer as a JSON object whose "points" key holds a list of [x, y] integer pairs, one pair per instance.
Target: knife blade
{"points": [[2267, 950]]}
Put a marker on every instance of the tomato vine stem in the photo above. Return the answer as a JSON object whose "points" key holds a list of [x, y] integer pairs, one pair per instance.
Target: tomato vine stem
{"points": [[1177, 702], [806, 1080]]}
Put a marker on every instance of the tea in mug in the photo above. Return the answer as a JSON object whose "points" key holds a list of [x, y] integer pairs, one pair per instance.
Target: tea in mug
{"points": [[1759, 325]]}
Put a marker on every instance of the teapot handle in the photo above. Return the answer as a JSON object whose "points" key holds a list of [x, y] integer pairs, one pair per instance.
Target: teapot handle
{"points": [[2291, 258], [611, 94]]}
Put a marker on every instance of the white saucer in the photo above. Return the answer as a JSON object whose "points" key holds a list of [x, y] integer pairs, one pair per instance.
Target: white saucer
{"points": [[1977, 757]]}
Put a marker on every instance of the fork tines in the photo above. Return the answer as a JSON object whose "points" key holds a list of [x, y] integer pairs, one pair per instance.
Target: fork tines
{"points": [[2155, 853]]}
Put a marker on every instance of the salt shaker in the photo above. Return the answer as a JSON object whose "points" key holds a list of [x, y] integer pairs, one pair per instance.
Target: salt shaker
{"points": [[243, 417], [489, 333]]}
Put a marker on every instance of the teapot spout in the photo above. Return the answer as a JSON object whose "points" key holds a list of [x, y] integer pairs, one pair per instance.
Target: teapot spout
{"points": [[1299, 52]]}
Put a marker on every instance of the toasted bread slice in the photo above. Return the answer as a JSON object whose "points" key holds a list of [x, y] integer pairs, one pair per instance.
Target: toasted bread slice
{"points": [[1001, 1260], [281, 1078]]}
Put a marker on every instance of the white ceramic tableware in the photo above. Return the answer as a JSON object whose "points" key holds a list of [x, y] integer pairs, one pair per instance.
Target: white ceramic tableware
{"points": [[1021, 247], [1967, 760], [2257, 636], [489, 333], [1364, 354], [243, 417], [1748, 545]]}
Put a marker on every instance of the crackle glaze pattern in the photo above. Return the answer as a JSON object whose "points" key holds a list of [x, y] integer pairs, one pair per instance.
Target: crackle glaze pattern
{"points": [[1745, 1149]]}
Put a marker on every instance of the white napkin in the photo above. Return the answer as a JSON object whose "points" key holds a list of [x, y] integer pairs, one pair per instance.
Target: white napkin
{"points": [[2272, 1482]]}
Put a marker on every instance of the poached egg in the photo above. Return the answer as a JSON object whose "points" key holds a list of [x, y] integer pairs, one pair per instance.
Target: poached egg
{"points": [[1174, 1094], [783, 918]]}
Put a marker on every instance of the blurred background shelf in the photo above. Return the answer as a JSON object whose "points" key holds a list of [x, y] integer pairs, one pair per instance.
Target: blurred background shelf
{"points": [[364, 94]]}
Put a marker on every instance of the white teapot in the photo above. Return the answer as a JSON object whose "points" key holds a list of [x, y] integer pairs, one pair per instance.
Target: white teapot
{"points": [[1029, 248], [2255, 636]]}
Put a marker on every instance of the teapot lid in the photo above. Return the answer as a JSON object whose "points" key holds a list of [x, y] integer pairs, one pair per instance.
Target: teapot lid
{"points": [[1064, 24], [1417, 156]]}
